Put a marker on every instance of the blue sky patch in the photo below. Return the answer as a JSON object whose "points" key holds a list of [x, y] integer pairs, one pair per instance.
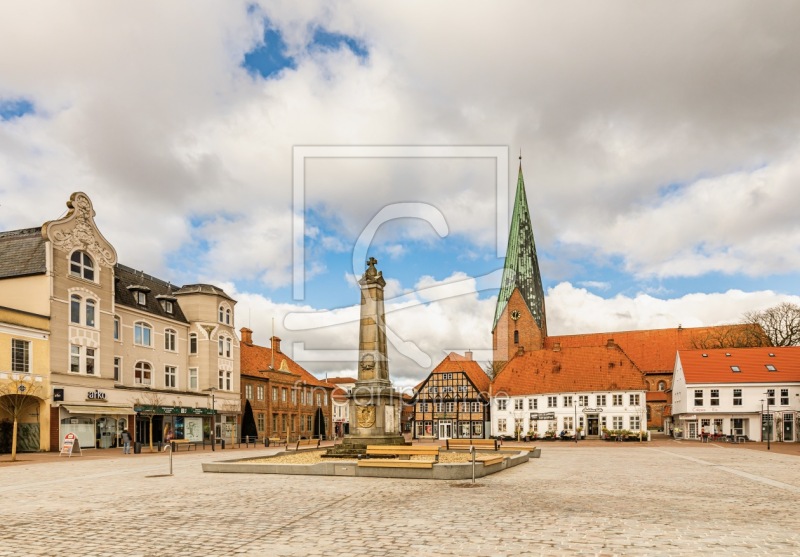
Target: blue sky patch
{"points": [[15, 108], [269, 58], [334, 41]]}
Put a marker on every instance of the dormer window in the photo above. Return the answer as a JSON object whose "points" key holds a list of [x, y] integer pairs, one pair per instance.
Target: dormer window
{"points": [[167, 305], [736, 369], [81, 265], [141, 298], [139, 292]]}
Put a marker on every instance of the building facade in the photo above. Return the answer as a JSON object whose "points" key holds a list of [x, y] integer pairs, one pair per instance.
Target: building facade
{"points": [[126, 350], [341, 406], [745, 393]]}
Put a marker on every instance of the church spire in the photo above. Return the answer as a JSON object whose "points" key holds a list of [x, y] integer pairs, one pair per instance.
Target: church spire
{"points": [[521, 270]]}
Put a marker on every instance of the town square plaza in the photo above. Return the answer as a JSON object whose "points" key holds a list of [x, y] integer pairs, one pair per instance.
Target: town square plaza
{"points": [[665, 497]]}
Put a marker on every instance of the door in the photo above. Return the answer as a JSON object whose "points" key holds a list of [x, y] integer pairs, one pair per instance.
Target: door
{"points": [[445, 430], [691, 430], [788, 427], [592, 426]]}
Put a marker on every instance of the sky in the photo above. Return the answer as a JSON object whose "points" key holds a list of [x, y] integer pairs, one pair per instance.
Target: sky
{"points": [[659, 147]]}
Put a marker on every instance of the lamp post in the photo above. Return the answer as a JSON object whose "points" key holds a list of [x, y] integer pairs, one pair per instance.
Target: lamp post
{"points": [[762, 419], [576, 419], [769, 423], [213, 419]]}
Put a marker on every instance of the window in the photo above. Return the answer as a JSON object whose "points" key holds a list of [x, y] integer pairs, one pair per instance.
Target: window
{"points": [[502, 425], [260, 421], [567, 401], [698, 397], [75, 309], [141, 297], [275, 423], [714, 399], [142, 334], [447, 376], [260, 391], [633, 400], [81, 265], [117, 369], [447, 389], [616, 400], [771, 397], [784, 397], [439, 407], [167, 305], [568, 423], [248, 391], [475, 407], [117, 329], [192, 343], [662, 385], [771, 367], [533, 403], [737, 397], [90, 304], [516, 337], [423, 407], [283, 395], [169, 340], [502, 404], [90, 361], [275, 394], [227, 317], [736, 369], [601, 400], [142, 373], [450, 407], [518, 404], [616, 422], [220, 346], [225, 380], [193, 379], [227, 347], [583, 400], [552, 401], [294, 396], [170, 377], [636, 423], [20, 355], [75, 359], [319, 400], [221, 314]]}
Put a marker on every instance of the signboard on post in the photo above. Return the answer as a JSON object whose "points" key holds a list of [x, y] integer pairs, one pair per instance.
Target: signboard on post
{"points": [[71, 445]]}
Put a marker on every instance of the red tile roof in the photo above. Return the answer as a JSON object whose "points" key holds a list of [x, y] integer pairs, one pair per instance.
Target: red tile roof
{"points": [[254, 360], [652, 350], [456, 362], [338, 380], [579, 369], [715, 366]]}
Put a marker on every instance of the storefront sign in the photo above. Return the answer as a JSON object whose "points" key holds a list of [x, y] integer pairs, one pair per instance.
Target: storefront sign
{"points": [[70, 445], [543, 416], [58, 395], [96, 395], [173, 410], [592, 410]]}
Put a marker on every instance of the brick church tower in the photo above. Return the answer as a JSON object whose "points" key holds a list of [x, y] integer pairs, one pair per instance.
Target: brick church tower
{"points": [[519, 320]]}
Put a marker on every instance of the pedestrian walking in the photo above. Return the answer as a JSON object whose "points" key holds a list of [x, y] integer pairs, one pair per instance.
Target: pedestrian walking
{"points": [[126, 442]]}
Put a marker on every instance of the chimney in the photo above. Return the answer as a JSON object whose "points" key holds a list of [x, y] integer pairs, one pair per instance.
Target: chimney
{"points": [[610, 343], [468, 355], [556, 347], [276, 344], [247, 335], [520, 350]]}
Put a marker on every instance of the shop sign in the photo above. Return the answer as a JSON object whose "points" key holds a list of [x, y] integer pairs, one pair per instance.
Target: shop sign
{"points": [[96, 395], [173, 410], [592, 410], [69, 445], [543, 416]]}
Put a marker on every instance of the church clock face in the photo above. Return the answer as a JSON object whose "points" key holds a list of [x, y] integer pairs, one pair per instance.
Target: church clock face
{"points": [[515, 315]]}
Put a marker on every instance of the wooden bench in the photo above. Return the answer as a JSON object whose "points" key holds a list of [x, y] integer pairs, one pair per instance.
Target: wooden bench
{"points": [[489, 460], [403, 454], [276, 441], [306, 444], [177, 443], [486, 444]]}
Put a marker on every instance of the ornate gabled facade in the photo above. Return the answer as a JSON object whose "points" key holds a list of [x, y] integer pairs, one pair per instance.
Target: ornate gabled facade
{"points": [[125, 350], [520, 322]]}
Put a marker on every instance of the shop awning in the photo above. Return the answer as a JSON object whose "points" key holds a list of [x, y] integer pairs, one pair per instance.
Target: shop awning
{"points": [[99, 409]]}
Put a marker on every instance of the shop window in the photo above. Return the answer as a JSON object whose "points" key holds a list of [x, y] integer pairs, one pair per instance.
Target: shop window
{"points": [[20, 355]]}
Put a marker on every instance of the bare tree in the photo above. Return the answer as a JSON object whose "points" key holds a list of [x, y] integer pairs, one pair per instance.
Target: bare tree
{"points": [[781, 323], [493, 368], [152, 401], [745, 335], [16, 397]]}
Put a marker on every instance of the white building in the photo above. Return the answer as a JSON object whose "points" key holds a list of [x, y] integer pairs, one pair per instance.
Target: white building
{"points": [[341, 406], [727, 391]]}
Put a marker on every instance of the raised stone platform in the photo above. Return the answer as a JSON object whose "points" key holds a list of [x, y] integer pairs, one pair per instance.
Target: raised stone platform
{"points": [[439, 471]]}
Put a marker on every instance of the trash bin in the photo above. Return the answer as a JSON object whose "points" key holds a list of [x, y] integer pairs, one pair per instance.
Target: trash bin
{"points": [[137, 448], [160, 446], [222, 444], [266, 441]]}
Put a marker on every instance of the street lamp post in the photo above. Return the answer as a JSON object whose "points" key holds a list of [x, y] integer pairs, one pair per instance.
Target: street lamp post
{"points": [[769, 423], [762, 419], [213, 419], [576, 419]]}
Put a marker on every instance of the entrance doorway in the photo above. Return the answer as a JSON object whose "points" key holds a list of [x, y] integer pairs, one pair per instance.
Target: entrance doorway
{"points": [[788, 427], [445, 429], [691, 430], [592, 425]]}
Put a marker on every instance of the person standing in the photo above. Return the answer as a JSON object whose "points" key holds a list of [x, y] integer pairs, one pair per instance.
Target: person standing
{"points": [[126, 442]]}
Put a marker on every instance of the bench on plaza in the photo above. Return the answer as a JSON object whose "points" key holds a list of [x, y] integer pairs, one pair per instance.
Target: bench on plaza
{"points": [[485, 444], [306, 444], [277, 440], [177, 443], [489, 460], [402, 456]]}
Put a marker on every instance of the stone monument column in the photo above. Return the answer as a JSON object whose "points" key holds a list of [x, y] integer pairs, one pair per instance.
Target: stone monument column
{"points": [[374, 405]]}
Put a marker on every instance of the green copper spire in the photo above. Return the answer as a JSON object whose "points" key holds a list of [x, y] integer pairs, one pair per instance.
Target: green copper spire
{"points": [[521, 269]]}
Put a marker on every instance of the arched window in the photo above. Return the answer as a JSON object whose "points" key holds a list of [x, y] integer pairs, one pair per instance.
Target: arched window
{"points": [[227, 316], [142, 334], [75, 309], [221, 314], [662, 385], [142, 373], [90, 304], [516, 337], [81, 265]]}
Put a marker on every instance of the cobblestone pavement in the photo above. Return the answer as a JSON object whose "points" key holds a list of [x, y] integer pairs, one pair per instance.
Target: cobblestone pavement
{"points": [[666, 498]]}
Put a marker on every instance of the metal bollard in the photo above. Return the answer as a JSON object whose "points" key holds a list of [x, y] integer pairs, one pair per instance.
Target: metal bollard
{"points": [[472, 451], [169, 446]]}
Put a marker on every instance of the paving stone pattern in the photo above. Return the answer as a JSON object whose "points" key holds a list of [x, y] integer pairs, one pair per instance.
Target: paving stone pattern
{"points": [[667, 499]]}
